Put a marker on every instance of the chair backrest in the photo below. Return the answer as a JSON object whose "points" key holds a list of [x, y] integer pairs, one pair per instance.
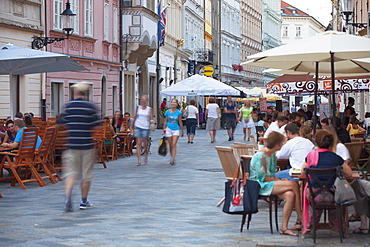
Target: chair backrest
{"points": [[316, 174], [242, 149], [47, 142], [228, 161], [28, 142], [355, 149], [107, 130], [124, 124], [61, 137], [353, 139]]}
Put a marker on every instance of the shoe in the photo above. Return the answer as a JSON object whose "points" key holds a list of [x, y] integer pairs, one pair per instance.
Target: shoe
{"points": [[287, 232], [172, 163], [188, 141], [230, 139], [85, 205], [191, 142], [361, 231], [68, 206], [297, 226], [138, 164], [354, 218], [146, 160]]}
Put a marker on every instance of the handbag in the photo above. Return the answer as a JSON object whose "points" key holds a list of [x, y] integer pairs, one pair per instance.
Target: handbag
{"points": [[344, 192], [241, 195], [162, 150], [185, 114]]}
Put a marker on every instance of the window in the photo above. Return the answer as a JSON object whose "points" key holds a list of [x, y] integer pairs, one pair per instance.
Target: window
{"points": [[56, 99], [88, 18], [285, 31], [298, 32], [74, 8], [106, 20], [115, 25], [58, 9]]}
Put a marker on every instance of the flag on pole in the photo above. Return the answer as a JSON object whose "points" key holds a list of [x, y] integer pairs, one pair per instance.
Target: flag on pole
{"points": [[161, 25]]}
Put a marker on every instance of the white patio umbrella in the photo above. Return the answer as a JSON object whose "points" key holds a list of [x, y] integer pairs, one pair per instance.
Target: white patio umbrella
{"points": [[330, 52], [16, 60], [248, 92], [200, 85]]}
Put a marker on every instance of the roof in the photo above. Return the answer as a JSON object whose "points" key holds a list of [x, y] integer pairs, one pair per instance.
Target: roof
{"points": [[290, 10]]}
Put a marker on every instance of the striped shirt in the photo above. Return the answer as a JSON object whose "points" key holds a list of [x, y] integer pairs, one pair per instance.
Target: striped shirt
{"points": [[80, 116]]}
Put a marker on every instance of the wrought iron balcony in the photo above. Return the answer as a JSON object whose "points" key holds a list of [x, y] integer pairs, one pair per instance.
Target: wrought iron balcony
{"points": [[204, 56]]}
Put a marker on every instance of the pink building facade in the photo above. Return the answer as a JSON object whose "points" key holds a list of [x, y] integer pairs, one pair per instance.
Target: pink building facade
{"points": [[95, 45]]}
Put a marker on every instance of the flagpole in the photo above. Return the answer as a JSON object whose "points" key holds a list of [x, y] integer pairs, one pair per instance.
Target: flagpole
{"points": [[158, 66]]}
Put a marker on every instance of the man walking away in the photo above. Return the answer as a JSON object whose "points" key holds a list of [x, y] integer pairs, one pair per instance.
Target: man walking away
{"points": [[80, 116], [230, 114]]}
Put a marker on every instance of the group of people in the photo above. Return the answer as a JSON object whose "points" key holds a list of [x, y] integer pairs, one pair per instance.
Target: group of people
{"points": [[292, 137]]}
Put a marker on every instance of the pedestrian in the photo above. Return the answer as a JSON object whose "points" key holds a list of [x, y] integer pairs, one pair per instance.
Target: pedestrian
{"points": [[172, 126], [80, 116], [212, 117], [143, 117], [191, 120], [246, 119], [230, 114], [164, 104]]}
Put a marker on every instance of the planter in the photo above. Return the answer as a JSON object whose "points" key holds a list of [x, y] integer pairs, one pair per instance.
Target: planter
{"points": [[260, 146]]}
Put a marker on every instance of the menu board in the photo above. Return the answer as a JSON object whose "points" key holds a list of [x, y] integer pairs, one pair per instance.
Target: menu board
{"points": [[263, 104]]}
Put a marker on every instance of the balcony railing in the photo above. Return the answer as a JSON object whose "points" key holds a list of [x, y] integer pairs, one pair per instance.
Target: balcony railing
{"points": [[204, 56]]}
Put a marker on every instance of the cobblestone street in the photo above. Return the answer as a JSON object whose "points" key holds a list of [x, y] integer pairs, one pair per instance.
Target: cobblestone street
{"points": [[149, 205]]}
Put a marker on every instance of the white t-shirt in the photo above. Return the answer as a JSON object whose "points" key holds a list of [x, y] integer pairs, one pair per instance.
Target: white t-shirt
{"points": [[192, 111], [296, 150], [342, 151], [273, 127], [212, 110], [142, 118]]}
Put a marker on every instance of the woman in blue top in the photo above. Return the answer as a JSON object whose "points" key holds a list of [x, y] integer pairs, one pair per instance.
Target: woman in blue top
{"points": [[172, 126], [262, 170]]}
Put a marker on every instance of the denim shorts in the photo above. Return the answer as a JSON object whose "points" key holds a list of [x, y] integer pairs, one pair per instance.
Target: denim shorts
{"points": [[142, 133]]}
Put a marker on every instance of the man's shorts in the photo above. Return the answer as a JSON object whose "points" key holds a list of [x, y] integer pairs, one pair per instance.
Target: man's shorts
{"points": [[170, 133], [79, 162], [230, 123]]}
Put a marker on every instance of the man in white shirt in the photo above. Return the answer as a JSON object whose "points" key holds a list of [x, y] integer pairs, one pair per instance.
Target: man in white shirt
{"points": [[275, 126], [296, 149]]}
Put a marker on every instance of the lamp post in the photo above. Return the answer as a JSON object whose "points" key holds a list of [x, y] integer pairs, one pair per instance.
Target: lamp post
{"points": [[67, 20]]}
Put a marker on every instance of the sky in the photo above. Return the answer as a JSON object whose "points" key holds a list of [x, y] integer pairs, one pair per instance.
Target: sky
{"points": [[320, 9]]}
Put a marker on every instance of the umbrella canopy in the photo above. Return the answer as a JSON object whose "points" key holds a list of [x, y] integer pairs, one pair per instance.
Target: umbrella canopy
{"points": [[305, 84], [16, 60], [330, 52], [248, 92], [263, 94], [200, 85]]}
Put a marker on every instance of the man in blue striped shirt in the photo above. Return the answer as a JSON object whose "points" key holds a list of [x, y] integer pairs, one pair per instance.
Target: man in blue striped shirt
{"points": [[80, 116]]}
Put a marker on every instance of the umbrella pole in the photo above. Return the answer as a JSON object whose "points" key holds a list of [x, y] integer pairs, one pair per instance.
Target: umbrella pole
{"points": [[315, 97], [333, 85]]}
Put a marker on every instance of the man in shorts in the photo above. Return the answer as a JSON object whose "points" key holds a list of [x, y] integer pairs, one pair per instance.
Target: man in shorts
{"points": [[80, 117], [230, 114]]}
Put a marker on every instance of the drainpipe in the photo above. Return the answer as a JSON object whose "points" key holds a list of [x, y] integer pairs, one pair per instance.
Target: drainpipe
{"points": [[120, 56]]}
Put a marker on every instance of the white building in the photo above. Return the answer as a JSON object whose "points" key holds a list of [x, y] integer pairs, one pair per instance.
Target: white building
{"points": [[230, 41], [271, 30]]}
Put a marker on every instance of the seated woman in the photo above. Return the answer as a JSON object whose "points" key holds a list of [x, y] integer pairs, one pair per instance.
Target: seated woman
{"points": [[10, 132], [262, 170], [362, 191], [353, 128], [323, 157], [117, 121]]}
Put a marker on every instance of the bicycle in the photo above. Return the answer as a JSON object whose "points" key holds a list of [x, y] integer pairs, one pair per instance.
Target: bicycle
{"points": [[142, 151]]}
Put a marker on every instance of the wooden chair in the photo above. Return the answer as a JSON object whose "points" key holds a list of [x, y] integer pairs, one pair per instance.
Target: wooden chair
{"points": [[313, 174], [59, 145], [355, 149], [240, 149], [51, 121], [271, 199], [98, 135], [42, 155], [110, 141], [126, 144], [21, 163]]}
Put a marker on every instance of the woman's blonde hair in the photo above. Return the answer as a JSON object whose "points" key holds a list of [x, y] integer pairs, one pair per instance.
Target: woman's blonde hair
{"points": [[305, 132], [332, 131]]}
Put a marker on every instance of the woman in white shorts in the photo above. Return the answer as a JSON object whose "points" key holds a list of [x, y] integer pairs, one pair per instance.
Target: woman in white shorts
{"points": [[246, 119], [172, 127]]}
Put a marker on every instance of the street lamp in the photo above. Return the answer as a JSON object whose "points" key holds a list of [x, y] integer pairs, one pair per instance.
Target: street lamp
{"points": [[347, 14], [67, 20]]}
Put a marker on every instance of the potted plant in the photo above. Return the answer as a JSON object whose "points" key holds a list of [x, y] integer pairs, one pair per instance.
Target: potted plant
{"points": [[261, 144]]}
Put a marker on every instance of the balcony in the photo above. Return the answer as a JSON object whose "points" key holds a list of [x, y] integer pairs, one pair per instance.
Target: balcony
{"points": [[204, 56]]}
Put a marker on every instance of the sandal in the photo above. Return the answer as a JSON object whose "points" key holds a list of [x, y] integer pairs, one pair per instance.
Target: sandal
{"points": [[287, 232], [354, 218], [297, 226], [172, 163], [361, 231], [138, 164]]}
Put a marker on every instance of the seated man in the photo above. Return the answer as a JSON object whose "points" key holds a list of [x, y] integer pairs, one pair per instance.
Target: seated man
{"points": [[275, 126], [296, 148], [18, 127]]}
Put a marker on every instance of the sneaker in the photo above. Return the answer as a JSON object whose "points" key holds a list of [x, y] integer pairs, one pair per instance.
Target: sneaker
{"points": [[85, 205], [229, 139], [68, 206]]}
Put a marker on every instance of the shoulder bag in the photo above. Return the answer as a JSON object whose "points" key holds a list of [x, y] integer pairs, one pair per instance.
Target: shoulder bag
{"points": [[344, 192]]}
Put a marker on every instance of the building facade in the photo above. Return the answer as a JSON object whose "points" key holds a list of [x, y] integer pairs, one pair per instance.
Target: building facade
{"points": [[19, 21], [95, 45], [251, 40], [271, 30], [231, 70]]}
